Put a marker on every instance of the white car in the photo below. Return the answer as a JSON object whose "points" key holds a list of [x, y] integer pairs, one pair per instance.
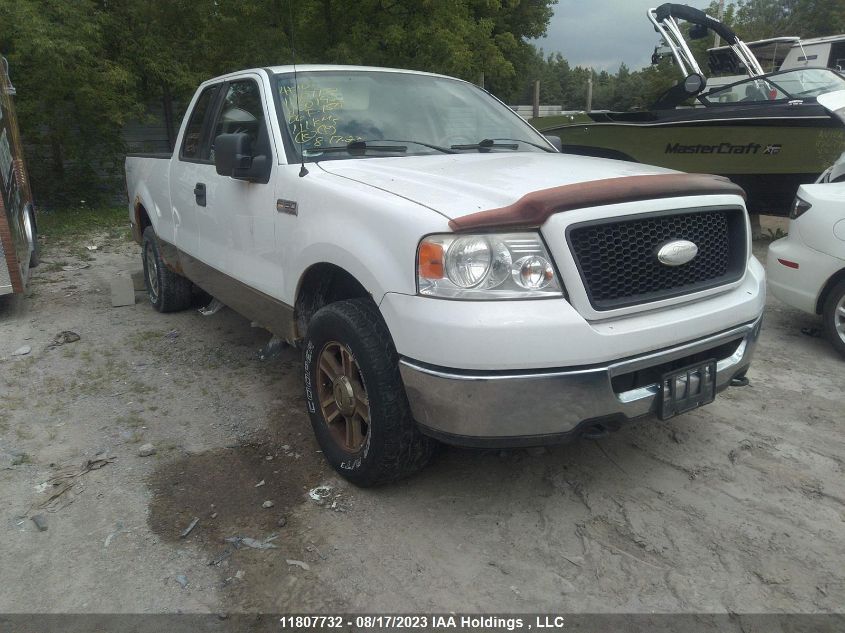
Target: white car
{"points": [[447, 273], [807, 268]]}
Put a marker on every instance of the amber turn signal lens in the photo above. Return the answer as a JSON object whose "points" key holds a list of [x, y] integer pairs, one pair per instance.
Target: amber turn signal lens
{"points": [[431, 261]]}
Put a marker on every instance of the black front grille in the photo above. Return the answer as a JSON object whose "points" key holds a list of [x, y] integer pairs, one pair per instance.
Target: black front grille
{"points": [[618, 261]]}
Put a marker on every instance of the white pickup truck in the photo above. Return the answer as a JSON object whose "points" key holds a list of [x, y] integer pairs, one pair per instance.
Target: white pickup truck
{"points": [[447, 273]]}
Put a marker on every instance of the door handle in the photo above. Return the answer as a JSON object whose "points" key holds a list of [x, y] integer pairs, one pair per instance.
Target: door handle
{"points": [[199, 193]]}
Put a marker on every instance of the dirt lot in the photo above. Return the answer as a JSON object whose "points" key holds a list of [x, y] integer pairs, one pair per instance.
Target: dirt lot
{"points": [[737, 507]]}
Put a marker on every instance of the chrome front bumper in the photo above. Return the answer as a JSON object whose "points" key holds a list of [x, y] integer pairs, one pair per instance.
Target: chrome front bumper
{"points": [[538, 407]]}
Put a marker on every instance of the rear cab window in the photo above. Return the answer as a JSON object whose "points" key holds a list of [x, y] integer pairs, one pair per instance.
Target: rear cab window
{"points": [[192, 144]]}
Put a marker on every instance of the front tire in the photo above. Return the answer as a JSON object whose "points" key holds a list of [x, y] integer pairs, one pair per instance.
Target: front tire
{"points": [[356, 399], [167, 291], [833, 316]]}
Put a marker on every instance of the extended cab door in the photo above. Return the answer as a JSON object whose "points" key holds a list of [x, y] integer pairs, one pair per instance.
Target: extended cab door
{"points": [[237, 227], [191, 170]]}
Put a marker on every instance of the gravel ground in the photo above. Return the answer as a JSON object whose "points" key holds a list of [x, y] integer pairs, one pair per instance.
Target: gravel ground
{"points": [[737, 507]]}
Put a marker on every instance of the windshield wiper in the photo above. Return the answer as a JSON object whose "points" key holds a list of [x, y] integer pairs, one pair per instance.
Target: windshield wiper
{"points": [[545, 148], [487, 144], [356, 147], [445, 150]]}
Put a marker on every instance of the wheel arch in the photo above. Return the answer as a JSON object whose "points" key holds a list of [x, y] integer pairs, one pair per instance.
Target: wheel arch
{"points": [[141, 220], [827, 288], [319, 285]]}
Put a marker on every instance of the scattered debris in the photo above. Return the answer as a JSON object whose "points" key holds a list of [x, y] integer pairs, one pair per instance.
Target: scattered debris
{"points": [[320, 493], [172, 335], [219, 560], [22, 351], [67, 478], [92, 247], [298, 563], [282, 522], [267, 504], [73, 267], [267, 543], [12, 458], [110, 537], [63, 338], [272, 349], [122, 292], [182, 579], [259, 484], [239, 574], [269, 458], [190, 527], [213, 515], [145, 450], [740, 381], [811, 331], [40, 522], [212, 308]]}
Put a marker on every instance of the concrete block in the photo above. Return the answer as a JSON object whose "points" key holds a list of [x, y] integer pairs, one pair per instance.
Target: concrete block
{"points": [[138, 281], [122, 291]]}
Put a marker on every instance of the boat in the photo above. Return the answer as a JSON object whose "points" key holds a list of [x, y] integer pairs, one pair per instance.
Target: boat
{"points": [[785, 53], [766, 131]]}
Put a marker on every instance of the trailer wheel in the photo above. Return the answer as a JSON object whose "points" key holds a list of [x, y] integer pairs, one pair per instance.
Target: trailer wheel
{"points": [[168, 292]]}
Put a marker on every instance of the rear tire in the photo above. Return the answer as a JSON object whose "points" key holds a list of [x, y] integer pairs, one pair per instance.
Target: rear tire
{"points": [[356, 398], [833, 316], [167, 291]]}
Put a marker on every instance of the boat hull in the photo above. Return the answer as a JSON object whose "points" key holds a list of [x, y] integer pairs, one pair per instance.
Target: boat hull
{"points": [[770, 158]]}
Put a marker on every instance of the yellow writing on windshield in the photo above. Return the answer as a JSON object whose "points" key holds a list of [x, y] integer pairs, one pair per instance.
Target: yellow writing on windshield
{"points": [[313, 122]]}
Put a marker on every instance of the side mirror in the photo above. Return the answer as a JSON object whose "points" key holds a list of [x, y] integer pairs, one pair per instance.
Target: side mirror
{"points": [[555, 140], [233, 157]]}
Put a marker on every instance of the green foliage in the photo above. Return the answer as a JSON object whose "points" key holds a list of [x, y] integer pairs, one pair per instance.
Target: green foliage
{"points": [[77, 222], [84, 68], [760, 19]]}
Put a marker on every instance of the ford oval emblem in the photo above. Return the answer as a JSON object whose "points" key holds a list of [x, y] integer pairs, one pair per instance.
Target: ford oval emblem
{"points": [[677, 252]]}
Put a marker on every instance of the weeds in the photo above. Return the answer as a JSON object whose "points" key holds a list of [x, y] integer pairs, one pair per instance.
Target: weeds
{"points": [[775, 234]]}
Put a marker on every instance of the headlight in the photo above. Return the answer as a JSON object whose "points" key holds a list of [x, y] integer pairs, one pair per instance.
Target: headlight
{"points": [[491, 266]]}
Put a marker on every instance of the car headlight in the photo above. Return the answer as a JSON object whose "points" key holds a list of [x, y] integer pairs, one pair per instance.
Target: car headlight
{"points": [[489, 266]]}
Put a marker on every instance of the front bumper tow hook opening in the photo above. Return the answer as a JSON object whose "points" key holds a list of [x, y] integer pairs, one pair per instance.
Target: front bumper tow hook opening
{"points": [[739, 381]]}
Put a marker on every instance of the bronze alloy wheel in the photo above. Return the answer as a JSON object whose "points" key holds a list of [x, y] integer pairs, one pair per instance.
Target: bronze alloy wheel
{"points": [[343, 397]]}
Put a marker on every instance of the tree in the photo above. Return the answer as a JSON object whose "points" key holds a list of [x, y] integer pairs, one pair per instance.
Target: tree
{"points": [[86, 68]]}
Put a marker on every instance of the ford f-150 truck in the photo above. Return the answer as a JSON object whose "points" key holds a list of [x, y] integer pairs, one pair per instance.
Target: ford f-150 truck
{"points": [[447, 273]]}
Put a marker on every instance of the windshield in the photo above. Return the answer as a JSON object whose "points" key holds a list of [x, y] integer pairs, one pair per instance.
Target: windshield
{"points": [[804, 83], [353, 114]]}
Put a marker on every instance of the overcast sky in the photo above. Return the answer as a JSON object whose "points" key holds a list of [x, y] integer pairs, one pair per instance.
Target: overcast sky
{"points": [[604, 33]]}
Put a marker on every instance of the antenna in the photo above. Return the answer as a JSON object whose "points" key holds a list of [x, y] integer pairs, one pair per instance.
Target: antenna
{"points": [[302, 171]]}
